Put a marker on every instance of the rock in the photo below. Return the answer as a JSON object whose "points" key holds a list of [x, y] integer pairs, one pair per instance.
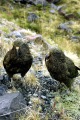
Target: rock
{"points": [[65, 15], [43, 97], [56, 116], [75, 39], [1, 78], [53, 1], [0, 32], [38, 2], [52, 85], [52, 11], [4, 79], [35, 95], [56, 1], [60, 7], [16, 0], [10, 105], [41, 2], [15, 34], [50, 95], [21, 1], [54, 6], [23, 87], [1, 50], [32, 17], [41, 41], [32, 2], [65, 27], [3, 89], [70, 16]]}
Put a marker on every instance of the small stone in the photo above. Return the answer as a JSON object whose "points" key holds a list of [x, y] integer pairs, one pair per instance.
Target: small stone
{"points": [[43, 97], [35, 95], [75, 39], [52, 11], [51, 95], [65, 27], [3, 89], [15, 34], [1, 78], [53, 6], [32, 17]]}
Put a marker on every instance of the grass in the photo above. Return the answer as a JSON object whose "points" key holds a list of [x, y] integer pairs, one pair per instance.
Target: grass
{"points": [[32, 115], [48, 23], [31, 79], [67, 105]]}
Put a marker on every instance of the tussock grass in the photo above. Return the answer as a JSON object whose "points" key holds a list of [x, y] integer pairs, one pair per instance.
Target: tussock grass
{"points": [[32, 115], [31, 79]]}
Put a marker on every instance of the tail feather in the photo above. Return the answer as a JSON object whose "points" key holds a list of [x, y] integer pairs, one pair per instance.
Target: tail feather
{"points": [[77, 68]]}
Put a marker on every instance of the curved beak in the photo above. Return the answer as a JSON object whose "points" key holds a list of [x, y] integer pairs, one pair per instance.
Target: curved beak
{"points": [[17, 49], [47, 57]]}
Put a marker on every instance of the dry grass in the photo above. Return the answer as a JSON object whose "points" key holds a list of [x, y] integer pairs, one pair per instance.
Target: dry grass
{"points": [[31, 79]]}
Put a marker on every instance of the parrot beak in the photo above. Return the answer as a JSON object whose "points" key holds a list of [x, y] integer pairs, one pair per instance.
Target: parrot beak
{"points": [[47, 57], [17, 49]]}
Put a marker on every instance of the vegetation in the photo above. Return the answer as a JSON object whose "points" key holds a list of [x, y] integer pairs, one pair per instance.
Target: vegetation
{"points": [[48, 23]]}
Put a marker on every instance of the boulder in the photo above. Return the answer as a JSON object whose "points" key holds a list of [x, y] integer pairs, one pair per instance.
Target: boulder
{"points": [[5, 80], [65, 27], [75, 39], [32, 17], [12, 105], [53, 1], [15, 34], [3, 89], [41, 2], [52, 11]]}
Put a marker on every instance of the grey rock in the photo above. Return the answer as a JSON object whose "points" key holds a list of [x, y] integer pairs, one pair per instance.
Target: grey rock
{"points": [[0, 32], [52, 11], [50, 95], [15, 34], [75, 39], [56, 1], [56, 116], [65, 27], [43, 97], [32, 17], [1, 78], [1, 50], [54, 6], [2, 71], [4, 79], [60, 7], [10, 105], [38, 2], [3, 89], [41, 2], [35, 95], [53, 1]]}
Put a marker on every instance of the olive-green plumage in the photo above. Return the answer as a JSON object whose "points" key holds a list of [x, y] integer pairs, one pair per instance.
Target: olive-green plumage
{"points": [[61, 67], [18, 59]]}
